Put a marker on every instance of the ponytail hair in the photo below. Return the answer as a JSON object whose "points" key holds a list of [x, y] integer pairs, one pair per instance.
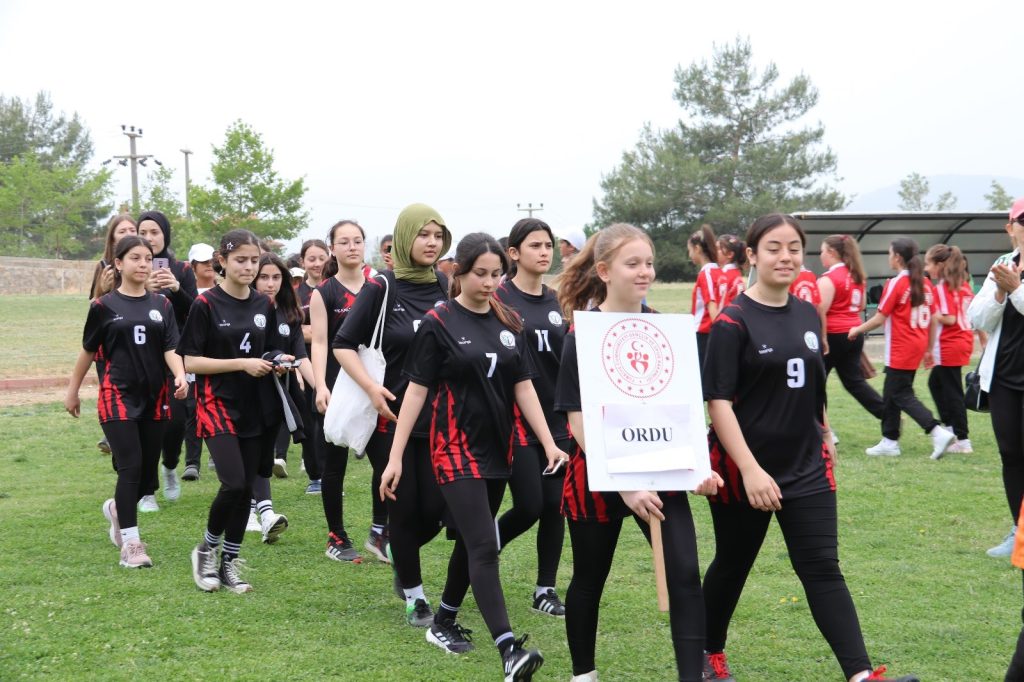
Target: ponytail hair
{"points": [[467, 252], [285, 301], [846, 248], [705, 239], [908, 252], [733, 248], [578, 285], [331, 266], [121, 249], [952, 263]]}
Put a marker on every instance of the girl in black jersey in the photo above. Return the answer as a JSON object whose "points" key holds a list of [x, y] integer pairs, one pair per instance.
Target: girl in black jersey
{"points": [[273, 280], [615, 269], [413, 288], [136, 333], [764, 382], [175, 280], [314, 256], [328, 306], [471, 350], [536, 498], [230, 342]]}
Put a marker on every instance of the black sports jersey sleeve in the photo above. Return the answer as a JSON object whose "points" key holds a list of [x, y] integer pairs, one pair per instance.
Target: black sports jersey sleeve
{"points": [[767, 361], [567, 387]]}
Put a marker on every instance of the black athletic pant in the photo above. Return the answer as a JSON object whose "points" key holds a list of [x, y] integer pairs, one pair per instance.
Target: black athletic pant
{"points": [[1015, 673], [281, 443], [174, 436], [898, 395], [332, 481], [809, 527], [536, 499], [135, 447], [702, 352], [193, 444], [593, 547], [312, 451], [947, 390], [414, 518], [844, 357], [473, 503], [1007, 411], [238, 463]]}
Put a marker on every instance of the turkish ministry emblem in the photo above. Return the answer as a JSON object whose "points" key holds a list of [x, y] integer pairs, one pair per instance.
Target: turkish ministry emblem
{"points": [[638, 358]]}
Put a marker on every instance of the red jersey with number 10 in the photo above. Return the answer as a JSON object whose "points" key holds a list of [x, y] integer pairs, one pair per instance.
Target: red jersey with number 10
{"points": [[906, 326], [955, 341]]}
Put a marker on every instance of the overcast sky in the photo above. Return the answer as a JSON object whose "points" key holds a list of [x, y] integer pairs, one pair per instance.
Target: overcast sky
{"points": [[474, 107]]}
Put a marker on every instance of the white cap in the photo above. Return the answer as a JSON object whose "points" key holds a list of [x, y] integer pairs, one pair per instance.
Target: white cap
{"points": [[200, 253], [450, 255], [297, 272], [574, 236]]}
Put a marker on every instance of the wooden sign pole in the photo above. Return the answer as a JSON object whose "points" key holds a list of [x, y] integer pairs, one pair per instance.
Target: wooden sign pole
{"points": [[660, 580]]}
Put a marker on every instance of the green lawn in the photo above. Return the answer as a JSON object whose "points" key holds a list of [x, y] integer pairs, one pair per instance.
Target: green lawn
{"points": [[913, 534]]}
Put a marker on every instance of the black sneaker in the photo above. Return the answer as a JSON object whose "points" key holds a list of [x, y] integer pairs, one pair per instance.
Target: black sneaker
{"points": [[549, 603], [341, 549], [231, 576], [717, 668], [521, 663], [191, 473], [419, 614], [451, 637]]}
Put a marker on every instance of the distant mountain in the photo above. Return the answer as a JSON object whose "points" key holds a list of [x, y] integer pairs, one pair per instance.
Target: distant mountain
{"points": [[969, 190]]}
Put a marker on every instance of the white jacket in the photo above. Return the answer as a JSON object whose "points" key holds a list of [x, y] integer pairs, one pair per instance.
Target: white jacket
{"points": [[986, 314]]}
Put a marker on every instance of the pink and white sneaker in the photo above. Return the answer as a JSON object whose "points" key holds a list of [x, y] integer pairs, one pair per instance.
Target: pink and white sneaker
{"points": [[110, 513], [963, 446], [133, 555]]}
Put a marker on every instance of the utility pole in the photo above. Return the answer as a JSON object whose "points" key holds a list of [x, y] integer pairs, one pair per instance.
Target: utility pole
{"points": [[529, 208], [134, 158], [188, 211]]}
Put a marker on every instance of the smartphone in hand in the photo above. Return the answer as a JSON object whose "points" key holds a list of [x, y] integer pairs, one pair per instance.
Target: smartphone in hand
{"points": [[161, 263]]}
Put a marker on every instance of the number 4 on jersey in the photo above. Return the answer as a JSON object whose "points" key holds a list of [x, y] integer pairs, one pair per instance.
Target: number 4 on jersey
{"points": [[245, 346]]}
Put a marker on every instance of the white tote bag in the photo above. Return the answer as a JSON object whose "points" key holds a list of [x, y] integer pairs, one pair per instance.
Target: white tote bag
{"points": [[350, 417]]}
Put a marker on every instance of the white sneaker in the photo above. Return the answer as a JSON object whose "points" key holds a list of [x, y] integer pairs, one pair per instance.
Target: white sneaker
{"points": [[835, 438], [886, 448], [1004, 548], [110, 513], [253, 526], [941, 439], [280, 468], [172, 486], [148, 504], [272, 525], [961, 446], [585, 677]]}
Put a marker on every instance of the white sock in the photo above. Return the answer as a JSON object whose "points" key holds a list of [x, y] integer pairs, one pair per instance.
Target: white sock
{"points": [[264, 507], [413, 594], [890, 442], [129, 534], [541, 590], [379, 530]]}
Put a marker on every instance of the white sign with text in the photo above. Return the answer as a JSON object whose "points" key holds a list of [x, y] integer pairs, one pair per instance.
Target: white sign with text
{"points": [[643, 409]]}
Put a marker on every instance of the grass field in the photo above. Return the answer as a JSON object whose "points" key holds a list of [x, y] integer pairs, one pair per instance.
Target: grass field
{"points": [[912, 539]]}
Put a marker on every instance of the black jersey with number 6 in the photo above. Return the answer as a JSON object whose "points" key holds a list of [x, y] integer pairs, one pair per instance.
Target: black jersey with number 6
{"points": [[474, 361], [767, 361], [132, 333], [544, 331], [223, 327]]}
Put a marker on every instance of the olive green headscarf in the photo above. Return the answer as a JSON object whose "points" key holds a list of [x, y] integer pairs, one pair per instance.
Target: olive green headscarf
{"points": [[410, 221]]}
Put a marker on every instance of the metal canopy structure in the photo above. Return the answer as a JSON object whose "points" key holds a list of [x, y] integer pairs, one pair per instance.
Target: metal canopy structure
{"points": [[981, 236]]}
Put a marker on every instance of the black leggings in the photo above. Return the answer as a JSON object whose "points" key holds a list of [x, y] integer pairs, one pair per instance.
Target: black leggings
{"points": [[135, 447], [809, 527], [593, 547], [238, 463], [947, 390], [536, 499], [844, 355], [1007, 411], [898, 395], [312, 450], [333, 484], [173, 438], [473, 503], [414, 518]]}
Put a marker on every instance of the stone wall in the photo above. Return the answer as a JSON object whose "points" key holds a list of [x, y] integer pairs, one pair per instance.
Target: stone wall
{"points": [[45, 276]]}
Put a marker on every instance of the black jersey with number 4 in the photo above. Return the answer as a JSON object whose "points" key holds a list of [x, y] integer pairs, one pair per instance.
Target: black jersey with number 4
{"points": [[767, 361], [223, 327], [544, 331], [132, 333], [474, 361]]}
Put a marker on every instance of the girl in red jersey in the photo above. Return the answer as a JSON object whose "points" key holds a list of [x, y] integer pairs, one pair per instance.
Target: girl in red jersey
{"points": [[952, 349], [328, 306], [136, 333], [805, 287], [764, 383], [706, 297], [471, 349], [315, 255], [537, 498], [615, 269], [842, 300], [231, 343], [906, 308], [732, 258]]}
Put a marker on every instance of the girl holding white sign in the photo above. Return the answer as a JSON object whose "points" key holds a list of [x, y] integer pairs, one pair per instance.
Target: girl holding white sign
{"points": [[764, 381], [616, 269]]}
